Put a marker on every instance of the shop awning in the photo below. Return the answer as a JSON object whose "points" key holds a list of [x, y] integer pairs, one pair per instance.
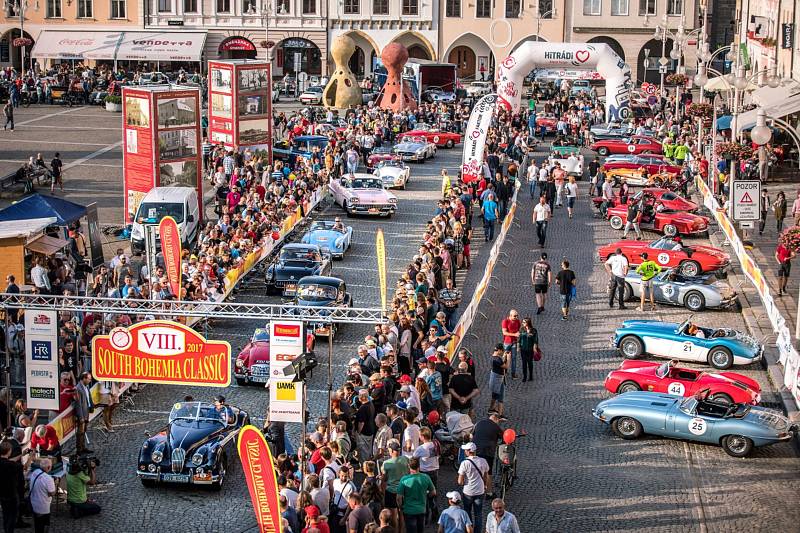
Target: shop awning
{"points": [[776, 103], [115, 45], [42, 206], [23, 228], [46, 245]]}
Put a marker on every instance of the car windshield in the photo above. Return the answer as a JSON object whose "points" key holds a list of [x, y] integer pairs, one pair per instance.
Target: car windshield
{"points": [[313, 292], [665, 243], [314, 90], [152, 212], [415, 139], [194, 411], [324, 225], [689, 405], [300, 254], [662, 370], [669, 196], [260, 335], [309, 144], [683, 325], [367, 183], [390, 163]]}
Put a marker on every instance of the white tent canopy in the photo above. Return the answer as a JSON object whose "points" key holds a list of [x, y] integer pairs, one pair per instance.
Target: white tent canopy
{"points": [[777, 103], [115, 45]]}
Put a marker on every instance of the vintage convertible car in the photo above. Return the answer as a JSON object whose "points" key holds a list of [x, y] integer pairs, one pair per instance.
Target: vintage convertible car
{"points": [[654, 163], [659, 218], [325, 235], [302, 146], [636, 178], [601, 132], [295, 261], [363, 194], [191, 448], [693, 292], [548, 120], [738, 427], [476, 89], [384, 153], [635, 144], [393, 174], [437, 95], [720, 347], [322, 291], [252, 363], [669, 199], [442, 139], [689, 260], [415, 148], [668, 378]]}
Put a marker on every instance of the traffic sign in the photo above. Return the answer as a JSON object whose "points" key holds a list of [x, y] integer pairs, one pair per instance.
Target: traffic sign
{"points": [[746, 199], [662, 69]]}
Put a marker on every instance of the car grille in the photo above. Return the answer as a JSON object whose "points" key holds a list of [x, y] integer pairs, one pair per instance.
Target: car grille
{"points": [[367, 207], [406, 154], [178, 459], [259, 370]]}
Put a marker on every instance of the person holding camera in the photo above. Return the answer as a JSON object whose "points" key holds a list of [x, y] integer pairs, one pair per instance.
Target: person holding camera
{"points": [[80, 474]]}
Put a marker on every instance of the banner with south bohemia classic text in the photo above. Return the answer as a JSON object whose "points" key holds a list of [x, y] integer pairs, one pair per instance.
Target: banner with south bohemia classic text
{"points": [[260, 475], [380, 251], [171, 248], [161, 352]]}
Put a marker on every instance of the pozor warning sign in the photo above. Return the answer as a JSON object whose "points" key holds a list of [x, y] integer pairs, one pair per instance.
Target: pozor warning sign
{"points": [[161, 352], [746, 198]]}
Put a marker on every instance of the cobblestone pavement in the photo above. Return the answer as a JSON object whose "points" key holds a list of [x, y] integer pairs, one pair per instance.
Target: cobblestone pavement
{"points": [[574, 474]]}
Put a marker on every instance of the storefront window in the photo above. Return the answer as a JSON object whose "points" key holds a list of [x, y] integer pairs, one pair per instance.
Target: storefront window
{"points": [[223, 6], [85, 9], [53, 9], [299, 55], [118, 9]]}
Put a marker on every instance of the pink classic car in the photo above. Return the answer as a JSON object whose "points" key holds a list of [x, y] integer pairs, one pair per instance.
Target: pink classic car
{"points": [[363, 194]]}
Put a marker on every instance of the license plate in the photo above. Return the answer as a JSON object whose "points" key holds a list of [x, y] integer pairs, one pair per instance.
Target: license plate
{"points": [[259, 379], [290, 288], [374, 210], [175, 478]]}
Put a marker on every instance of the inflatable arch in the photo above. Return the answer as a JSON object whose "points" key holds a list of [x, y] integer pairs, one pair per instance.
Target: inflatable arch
{"points": [[513, 69]]}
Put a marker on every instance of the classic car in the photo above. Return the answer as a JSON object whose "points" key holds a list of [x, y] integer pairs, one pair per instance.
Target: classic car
{"points": [[654, 163], [363, 194], [692, 292], [562, 155], [394, 174], [548, 120], [669, 199], [657, 217], [437, 95], [601, 132], [312, 96], [321, 291], [636, 178], [295, 261], [324, 234], [719, 347], [668, 378], [414, 148], [384, 153], [435, 136], [689, 260], [738, 427], [303, 146], [635, 144], [580, 86], [252, 363], [192, 448], [476, 89]]}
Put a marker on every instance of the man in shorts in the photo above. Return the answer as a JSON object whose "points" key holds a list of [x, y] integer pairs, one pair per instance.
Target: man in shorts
{"points": [[647, 270], [541, 277], [392, 471]]}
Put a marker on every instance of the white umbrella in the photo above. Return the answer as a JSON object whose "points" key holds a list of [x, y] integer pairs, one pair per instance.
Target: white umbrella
{"points": [[725, 83]]}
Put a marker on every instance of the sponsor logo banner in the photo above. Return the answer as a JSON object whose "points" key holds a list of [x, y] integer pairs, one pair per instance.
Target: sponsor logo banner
{"points": [[380, 252], [285, 401], [259, 472], [475, 138], [171, 248], [41, 365], [286, 342]]}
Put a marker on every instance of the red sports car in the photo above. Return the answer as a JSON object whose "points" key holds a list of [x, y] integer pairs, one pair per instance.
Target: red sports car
{"points": [[381, 154], [669, 253], [549, 121], [654, 164], [724, 387], [252, 363], [669, 199], [631, 145], [440, 138], [656, 217]]}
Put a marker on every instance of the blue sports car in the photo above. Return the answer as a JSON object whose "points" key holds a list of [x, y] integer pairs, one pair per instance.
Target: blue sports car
{"points": [[737, 427], [325, 234], [719, 347]]}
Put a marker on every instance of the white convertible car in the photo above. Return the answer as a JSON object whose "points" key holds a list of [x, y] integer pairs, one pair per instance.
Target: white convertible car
{"points": [[394, 174]]}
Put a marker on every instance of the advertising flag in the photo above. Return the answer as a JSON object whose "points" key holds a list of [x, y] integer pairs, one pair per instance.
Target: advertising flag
{"points": [[171, 248], [260, 475], [475, 137], [380, 250]]}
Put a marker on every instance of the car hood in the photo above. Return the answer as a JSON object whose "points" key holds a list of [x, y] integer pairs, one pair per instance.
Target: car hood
{"points": [[642, 399], [408, 146], [653, 326], [372, 196], [286, 271], [711, 252], [390, 171], [255, 353], [324, 236], [190, 435], [687, 218]]}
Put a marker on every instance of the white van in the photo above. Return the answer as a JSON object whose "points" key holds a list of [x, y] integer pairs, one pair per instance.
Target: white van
{"points": [[178, 202]]}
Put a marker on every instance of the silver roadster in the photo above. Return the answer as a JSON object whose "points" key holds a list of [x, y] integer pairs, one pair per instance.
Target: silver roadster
{"points": [[693, 292]]}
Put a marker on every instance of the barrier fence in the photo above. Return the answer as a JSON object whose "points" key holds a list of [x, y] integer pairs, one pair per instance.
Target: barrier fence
{"points": [[789, 357]]}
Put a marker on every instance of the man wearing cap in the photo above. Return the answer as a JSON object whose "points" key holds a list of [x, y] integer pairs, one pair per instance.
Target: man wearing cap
{"points": [[454, 519], [313, 520], [475, 478], [411, 398], [354, 367], [392, 471], [412, 496]]}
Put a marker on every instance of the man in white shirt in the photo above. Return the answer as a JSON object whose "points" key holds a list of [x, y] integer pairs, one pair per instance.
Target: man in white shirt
{"points": [[617, 267], [473, 475], [42, 488], [500, 520], [39, 277], [541, 215]]}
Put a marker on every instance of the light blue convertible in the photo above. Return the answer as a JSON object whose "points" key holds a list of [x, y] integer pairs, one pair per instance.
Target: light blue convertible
{"points": [[325, 235], [737, 427]]}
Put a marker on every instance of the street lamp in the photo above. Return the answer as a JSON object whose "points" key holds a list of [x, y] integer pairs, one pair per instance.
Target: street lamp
{"points": [[761, 134]]}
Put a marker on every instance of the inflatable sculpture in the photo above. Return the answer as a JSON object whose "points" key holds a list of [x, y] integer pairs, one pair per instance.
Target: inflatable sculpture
{"points": [[342, 91], [396, 96]]}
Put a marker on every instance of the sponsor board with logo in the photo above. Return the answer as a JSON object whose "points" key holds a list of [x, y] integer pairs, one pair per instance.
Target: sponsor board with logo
{"points": [[41, 359], [285, 401], [286, 342]]}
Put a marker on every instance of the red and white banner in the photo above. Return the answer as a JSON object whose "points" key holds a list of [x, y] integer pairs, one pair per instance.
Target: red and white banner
{"points": [[259, 472], [475, 137], [171, 248]]}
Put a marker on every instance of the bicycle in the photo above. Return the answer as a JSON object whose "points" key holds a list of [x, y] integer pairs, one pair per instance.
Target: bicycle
{"points": [[507, 462]]}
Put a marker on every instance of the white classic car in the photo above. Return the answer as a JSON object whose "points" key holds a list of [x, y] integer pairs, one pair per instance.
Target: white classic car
{"points": [[479, 88], [394, 174], [363, 194]]}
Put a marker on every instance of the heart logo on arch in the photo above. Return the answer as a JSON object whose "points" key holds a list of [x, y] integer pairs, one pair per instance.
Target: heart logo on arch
{"points": [[582, 55]]}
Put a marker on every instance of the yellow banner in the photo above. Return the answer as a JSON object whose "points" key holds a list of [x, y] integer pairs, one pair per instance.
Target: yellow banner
{"points": [[380, 251]]}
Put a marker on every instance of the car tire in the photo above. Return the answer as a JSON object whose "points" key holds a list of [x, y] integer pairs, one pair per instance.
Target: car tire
{"points": [[628, 386], [626, 427], [694, 301], [217, 486], [271, 290], [450, 143], [616, 222], [690, 268], [149, 483], [631, 347], [720, 358], [602, 151], [737, 445], [627, 293], [241, 382], [670, 230], [721, 398]]}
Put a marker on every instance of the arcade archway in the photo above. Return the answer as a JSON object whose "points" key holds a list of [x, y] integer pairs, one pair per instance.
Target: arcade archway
{"points": [[613, 43], [647, 62], [472, 56]]}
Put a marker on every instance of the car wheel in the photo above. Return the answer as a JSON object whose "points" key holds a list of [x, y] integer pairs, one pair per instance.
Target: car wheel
{"points": [[694, 301], [271, 290], [737, 445], [616, 222], [721, 398], [631, 347], [645, 152], [628, 386], [217, 486], [626, 427], [670, 230], [602, 151], [627, 293], [241, 382], [720, 358], [149, 483], [690, 268], [450, 143]]}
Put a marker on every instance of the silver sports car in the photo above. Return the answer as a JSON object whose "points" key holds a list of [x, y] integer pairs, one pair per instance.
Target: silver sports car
{"points": [[693, 292]]}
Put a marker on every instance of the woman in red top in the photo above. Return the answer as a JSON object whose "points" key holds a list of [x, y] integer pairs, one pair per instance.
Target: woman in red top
{"points": [[784, 258]]}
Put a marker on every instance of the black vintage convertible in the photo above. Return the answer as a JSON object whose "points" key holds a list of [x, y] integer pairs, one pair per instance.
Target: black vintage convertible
{"points": [[192, 447], [295, 261]]}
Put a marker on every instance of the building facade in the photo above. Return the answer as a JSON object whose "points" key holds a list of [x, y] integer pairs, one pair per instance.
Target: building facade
{"points": [[771, 31]]}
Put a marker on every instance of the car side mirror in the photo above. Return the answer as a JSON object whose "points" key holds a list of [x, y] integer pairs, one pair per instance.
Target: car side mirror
{"points": [[147, 434]]}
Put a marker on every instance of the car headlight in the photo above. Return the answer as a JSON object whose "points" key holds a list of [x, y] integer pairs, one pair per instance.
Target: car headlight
{"points": [[392, 200], [353, 200], [157, 456], [197, 459], [151, 468], [599, 412], [239, 363]]}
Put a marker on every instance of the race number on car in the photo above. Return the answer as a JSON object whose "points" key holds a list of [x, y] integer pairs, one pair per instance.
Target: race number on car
{"points": [[697, 426], [676, 389], [663, 258]]}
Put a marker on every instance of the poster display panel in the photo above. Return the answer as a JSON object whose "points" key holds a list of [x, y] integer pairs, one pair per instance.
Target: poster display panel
{"points": [[138, 162]]}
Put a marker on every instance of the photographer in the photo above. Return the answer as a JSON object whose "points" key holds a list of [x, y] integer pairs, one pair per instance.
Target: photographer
{"points": [[81, 473]]}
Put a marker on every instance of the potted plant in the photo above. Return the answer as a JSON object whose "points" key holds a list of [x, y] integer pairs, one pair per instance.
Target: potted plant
{"points": [[699, 110], [113, 103], [769, 42], [734, 151], [790, 239], [677, 79]]}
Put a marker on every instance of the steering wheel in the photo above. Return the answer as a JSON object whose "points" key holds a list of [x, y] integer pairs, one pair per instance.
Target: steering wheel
{"points": [[718, 334]]}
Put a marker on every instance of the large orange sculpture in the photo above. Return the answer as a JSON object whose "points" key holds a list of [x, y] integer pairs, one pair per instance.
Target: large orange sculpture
{"points": [[396, 96]]}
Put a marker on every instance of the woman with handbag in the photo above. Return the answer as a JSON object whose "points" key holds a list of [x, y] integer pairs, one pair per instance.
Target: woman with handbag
{"points": [[528, 346]]}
